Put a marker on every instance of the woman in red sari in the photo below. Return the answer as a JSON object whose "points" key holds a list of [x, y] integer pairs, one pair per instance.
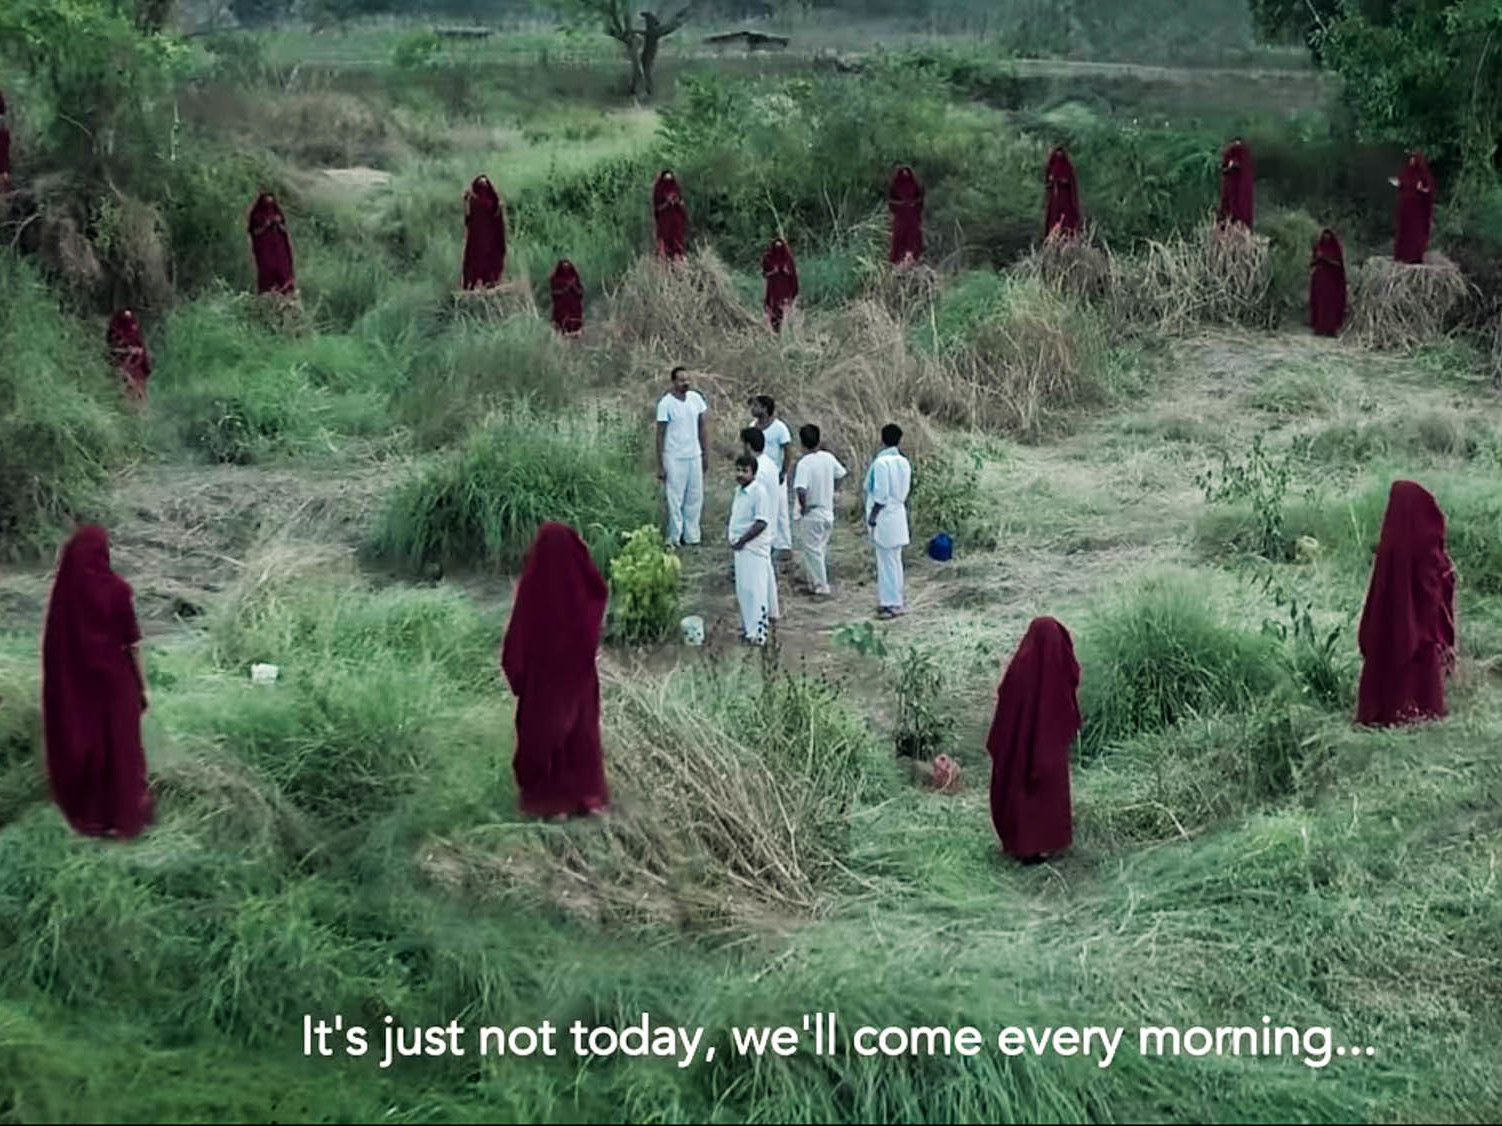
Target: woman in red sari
{"points": [[4, 146], [270, 246], [93, 693], [484, 235], [1037, 718], [670, 215], [1414, 220], [781, 274], [128, 353], [568, 298], [1062, 206], [1407, 631], [549, 658], [1237, 184], [905, 204], [1327, 285]]}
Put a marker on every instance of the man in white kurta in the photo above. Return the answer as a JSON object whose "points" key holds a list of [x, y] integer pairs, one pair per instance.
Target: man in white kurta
{"points": [[778, 438], [683, 457], [813, 484], [887, 484], [752, 513], [753, 442]]}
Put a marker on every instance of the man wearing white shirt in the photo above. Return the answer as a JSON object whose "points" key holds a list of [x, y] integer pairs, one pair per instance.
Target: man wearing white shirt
{"points": [[682, 457], [752, 511], [754, 443], [779, 438], [887, 484], [813, 483]]}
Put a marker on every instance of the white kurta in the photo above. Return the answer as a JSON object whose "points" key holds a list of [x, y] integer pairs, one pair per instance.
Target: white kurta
{"points": [[816, 474], [753, 563], [888, 482], [766, 478]]}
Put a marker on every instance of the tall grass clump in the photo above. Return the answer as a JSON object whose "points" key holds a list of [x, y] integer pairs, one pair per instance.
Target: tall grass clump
{"points": [[1215, 274], [1401, 305], [59, 433], [483, 502]]}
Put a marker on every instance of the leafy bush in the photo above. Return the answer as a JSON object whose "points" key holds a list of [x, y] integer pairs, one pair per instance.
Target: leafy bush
{"points": [[925, 721], [418, 49], [947, 496], [1262, 480], [645, 581]]}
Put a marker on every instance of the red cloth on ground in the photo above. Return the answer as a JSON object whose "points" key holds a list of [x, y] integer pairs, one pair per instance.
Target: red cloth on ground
{"points": [[1327, 285], [549, 660], [484, 235], [781, 274], [670, 215], [91, 697], [1062, 205], [1414, 221], [1407, 632], [568, 298], [128, 352], [905, 204], [1237, 184], [271, 246], [1037, 718]]}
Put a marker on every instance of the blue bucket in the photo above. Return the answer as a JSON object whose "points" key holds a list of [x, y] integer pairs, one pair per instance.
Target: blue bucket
{"points": [[941, 547]]}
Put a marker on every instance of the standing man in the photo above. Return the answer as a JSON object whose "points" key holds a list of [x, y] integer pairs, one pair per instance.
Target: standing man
{"points": [[778, 438], [814, 482], [682, 457], [887, 484], [752, 512], [754, 443]]}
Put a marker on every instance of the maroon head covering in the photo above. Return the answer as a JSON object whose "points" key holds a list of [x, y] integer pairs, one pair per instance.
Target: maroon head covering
{"points": [[1037, 718], [1237, 184], [549, 661], [91, 696], [128, 352], [1062, 208], [1415, 212], [568, 298], [271, 246], [905, 203], [670, 215], [484, 235], [1327, 285], [1407, 631], [781, 274]]}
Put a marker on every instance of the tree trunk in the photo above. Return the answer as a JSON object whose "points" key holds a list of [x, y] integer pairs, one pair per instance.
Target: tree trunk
{"points": [[632, 44]]}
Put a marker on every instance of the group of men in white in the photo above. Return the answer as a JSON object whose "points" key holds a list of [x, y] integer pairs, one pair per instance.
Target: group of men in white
{"points": [[759, 511]]}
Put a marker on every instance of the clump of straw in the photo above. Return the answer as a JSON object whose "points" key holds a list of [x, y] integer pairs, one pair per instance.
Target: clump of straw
{"points": [[1400, 305], [512, 297], [1219, 274], [1070, 264], [677, 307]]}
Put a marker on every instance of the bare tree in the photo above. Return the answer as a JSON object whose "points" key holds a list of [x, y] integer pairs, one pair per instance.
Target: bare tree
{"points": [[640, 43]]}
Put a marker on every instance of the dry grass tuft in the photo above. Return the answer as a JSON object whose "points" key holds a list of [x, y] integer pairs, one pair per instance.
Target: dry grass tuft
{"points": [[1071, 265], [513, 297], [1221, 275], [902, 291], [1398, 305], [679, 308], [133, 240]]}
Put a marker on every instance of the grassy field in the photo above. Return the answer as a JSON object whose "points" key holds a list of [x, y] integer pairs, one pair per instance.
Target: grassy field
{"points": [[346, 493]]}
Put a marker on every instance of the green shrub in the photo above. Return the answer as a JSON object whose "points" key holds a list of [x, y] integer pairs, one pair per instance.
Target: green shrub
{"points": [[645, 582], [1262, 480], [418, 49], [925, 720]]}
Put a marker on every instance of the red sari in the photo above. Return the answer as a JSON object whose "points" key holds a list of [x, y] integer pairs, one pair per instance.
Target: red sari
{"points": [[91, 696], [128, 353], [905, 203], [270, 246], [1237, 184], [549, 660], [1062, 208], [484, 235], [1327, 285], [1407, 631], [568, 298], [1415, 213], [1037, 718], [781, 274], [670, 215], [4, 146]]}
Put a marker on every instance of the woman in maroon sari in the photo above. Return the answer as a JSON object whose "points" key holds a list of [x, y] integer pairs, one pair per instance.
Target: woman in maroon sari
{"points": [[1037, 718], [1407, 631], [781, 274], [1237, 184], [4, 146], [670, 215], [1327, 285], [270, 246], [1062, 206], [905, 203], [484, 235], [1415, 213], [128, 353], [93, 693], [568, 298], [549, 660]]}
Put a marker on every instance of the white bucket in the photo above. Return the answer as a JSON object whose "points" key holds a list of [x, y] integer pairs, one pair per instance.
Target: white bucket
{"points": [[263, 674], [693, 630]]}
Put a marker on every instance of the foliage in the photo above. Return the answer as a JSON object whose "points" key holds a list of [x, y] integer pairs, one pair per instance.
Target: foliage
{"points": [[1319, 665], [925, 720], [947, 494], [863, 637], [418, 49], [645, 583], [1262, 480]]}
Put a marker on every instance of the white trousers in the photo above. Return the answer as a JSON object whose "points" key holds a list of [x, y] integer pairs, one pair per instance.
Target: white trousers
{"points": [[685, 496], [817, 526], [889, 577], [782, 535], [754, 576]]}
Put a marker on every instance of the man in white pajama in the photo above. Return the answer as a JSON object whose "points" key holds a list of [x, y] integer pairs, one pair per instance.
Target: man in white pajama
{"points": [[813, 482], [778, 438], [752, 514], [753, 442], [682, 457], [887, 484]]}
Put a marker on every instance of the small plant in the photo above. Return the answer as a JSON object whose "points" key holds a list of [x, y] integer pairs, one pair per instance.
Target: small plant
{"points": [[947, 491], [1262, 480], [863, 637], [924, 722], [1315, 660], [645, 580], [417, 50]]}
